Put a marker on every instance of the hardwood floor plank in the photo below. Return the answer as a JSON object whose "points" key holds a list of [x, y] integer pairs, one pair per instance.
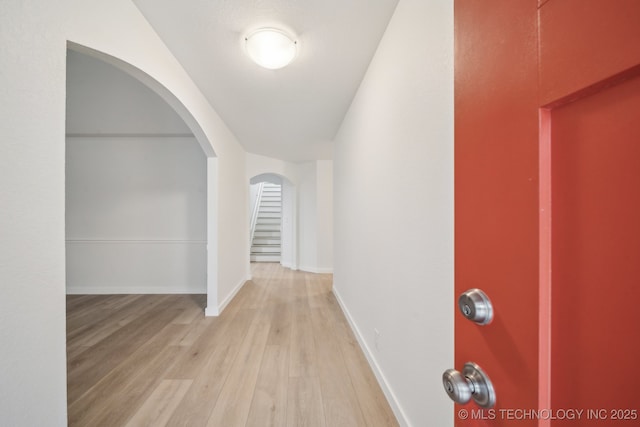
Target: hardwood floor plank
{"points": [[103, 330], [197, 405], [77, 303], [119, 301], [234, 401], [281, 353], [225, 331], [189, 314], [194, 332], [318, 288], [298, 291], [157, 409], [256, 293], [102, 394], [92, 365], [303, 357], [304, 407], [281, 325], [91, 311], [102, 318], [341, 406], [269, 405], [375, 409], [124, 404], [74, 351]]}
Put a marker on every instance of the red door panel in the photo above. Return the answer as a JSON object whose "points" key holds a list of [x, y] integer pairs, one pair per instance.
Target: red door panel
{"points": [[595, 285], [496, 194], [548, 205], [585, 41]]}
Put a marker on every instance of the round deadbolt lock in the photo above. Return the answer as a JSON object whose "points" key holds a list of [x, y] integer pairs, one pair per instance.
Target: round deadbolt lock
{"points": [[476, 306], [471, 383]]}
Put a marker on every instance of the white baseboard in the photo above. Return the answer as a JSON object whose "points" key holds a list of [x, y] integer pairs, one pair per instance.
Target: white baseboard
{"points": [[386, 389], [289, 266], [319, 270], [126, 290], [211, 311], [231, 295]]}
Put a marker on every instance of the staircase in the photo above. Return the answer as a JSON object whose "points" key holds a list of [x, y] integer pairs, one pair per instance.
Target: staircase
{"points": [[265, 243]]}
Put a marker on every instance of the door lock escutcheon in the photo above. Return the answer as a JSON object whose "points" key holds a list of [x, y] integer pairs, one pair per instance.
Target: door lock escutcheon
{"points": [[472, 382], [476, 306]]}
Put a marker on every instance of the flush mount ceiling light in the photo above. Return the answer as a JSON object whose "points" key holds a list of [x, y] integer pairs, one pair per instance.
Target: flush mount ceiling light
{"points": [[271, 48]]}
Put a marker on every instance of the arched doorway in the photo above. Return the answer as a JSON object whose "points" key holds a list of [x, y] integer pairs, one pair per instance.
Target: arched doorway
{"points": [[136, 182], [273, 219]]}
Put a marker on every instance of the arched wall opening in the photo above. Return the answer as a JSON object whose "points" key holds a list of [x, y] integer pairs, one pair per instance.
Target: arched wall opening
{"points": [[288, 238], [187, 243], [136, 188], [157, 88]]}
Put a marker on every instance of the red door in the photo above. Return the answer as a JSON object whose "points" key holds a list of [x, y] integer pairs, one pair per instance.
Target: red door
{"points": [[547, 152]]}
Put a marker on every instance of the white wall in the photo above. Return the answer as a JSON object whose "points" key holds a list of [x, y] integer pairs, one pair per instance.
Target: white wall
{"points": [[32, 294], [259, 165], [289, 247], [324, 217], [393, 188], [136, 215], [315, 216], [232, 230], [102, 99], [307, 216], [33, 46]]}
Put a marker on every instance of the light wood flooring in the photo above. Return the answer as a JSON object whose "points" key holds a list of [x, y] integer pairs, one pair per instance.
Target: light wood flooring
{"points": [[281, 354]]}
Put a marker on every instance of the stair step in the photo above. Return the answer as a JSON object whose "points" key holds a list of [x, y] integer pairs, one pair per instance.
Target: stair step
{"points": [[268, 227], [268, 220], [269, 209], [266, 241], [270, 249], [266, 237], [269, 234], [269, 215]]}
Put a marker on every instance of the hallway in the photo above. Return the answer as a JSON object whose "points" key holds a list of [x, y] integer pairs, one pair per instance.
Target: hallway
{"points": [[281, 354]]}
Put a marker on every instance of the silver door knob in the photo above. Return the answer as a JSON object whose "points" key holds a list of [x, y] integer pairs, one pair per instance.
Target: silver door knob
{"points": [[472, 382], [476, 306]]}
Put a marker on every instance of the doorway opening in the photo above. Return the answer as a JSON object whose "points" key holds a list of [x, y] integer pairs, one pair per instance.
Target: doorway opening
{"points": [[136, 188], [266, 222], [273, 220]]}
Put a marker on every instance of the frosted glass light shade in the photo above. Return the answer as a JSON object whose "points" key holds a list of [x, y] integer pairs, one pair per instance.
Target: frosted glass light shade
{"points": [[271, 48]]}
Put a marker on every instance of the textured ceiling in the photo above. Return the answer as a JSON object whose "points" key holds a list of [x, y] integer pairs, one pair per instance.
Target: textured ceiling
{"points": [[292, 113]]}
